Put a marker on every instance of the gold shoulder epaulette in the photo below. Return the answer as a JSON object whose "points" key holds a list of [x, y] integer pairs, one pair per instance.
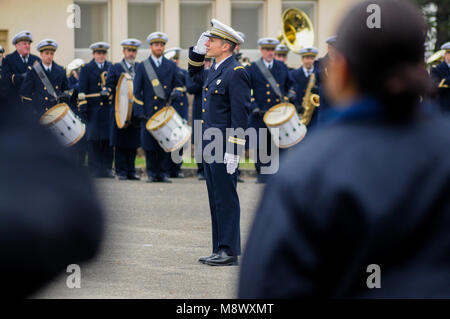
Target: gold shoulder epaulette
{"points": [[238, 67]]}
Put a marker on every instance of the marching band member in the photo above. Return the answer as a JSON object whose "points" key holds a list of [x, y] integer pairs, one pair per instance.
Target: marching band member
{"points": [[15, 66], [301, 78], [281, 53], [80, 148], [45, 84], [226, 98], [96, 111], [126, 140], [271, 83], [156, 82], [181, 105], [441, 76]]}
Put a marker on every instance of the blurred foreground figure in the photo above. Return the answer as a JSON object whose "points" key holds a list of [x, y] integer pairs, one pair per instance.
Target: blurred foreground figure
{"points": [[49, 214], [384, 197]]}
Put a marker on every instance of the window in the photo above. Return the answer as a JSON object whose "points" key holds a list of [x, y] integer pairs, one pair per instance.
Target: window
{"points": [[195, 18], [94, 24], [143, 19], [246, 17]]}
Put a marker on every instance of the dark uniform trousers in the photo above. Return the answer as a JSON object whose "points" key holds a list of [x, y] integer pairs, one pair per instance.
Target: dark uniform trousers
{"points": [[96, 112], [79, 150], [147, 103], [264, 97], [226, 100], [181, 105], [126, 140], [441, 77], [14, 70], [195, 86]]}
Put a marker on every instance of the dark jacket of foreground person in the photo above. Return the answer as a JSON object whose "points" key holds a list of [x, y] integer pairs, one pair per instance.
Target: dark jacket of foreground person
{"points": [[50, 216]]}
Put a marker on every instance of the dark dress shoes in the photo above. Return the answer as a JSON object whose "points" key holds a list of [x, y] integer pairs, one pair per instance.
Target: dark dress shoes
{"points": [[133, 178], [177, 175], [152, 180], [222, 259], [201, 177], [121, 178], [164, 180], [203, 259], [240, 180]]}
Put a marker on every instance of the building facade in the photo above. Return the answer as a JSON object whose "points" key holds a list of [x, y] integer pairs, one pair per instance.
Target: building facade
{"points": [[77, 24]]}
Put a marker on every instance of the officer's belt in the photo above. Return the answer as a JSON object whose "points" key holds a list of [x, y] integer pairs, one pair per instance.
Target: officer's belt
{"points": [[269, 77], [159, 91], [44, 79]]}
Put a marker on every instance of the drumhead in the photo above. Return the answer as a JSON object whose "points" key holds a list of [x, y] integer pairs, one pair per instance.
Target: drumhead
{"points": [[123, 101], [279, 114], [54, 114], [160, 118]]}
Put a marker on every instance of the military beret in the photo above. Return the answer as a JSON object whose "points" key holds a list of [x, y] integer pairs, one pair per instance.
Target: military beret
{"points": [[131, 43], [157, 37], [47, 44], [269, 43], [99, 46], [223, 31], [22, 36], [308, 52], [446, 46]]}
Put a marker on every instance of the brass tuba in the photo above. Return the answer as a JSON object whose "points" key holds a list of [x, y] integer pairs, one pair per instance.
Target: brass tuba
{"points": [[297, 32]]}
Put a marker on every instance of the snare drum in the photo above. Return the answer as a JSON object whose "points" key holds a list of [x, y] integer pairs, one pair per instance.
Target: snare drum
{"points": [[64, 123], [169, 129], [124, 100], [284, 117]]}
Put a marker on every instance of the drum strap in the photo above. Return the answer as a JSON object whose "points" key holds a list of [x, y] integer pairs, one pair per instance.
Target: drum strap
{"points": [[269, 77], [125, 68], [44, 79], [159, 91]]}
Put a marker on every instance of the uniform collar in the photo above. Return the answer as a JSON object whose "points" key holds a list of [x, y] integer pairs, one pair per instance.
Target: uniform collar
{"points": [[100, 65], [268, 65], [158, 61], [306, 72], [49, 68], [218, 64]]}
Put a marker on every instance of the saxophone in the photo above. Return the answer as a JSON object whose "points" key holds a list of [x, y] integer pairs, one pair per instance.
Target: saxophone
{"points": [[310, 101]]}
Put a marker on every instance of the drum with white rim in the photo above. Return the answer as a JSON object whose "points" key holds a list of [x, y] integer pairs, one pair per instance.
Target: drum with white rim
{"points": [[64, 123], [284, 117], [124, 100], [169, 129]]}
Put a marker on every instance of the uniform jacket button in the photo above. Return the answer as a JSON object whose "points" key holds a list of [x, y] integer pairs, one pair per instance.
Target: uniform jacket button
{"points": [[155, 107], [155, 97]]}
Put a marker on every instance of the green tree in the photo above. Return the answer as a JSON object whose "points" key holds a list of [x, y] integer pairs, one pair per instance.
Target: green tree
{"points": [[437, 13]]}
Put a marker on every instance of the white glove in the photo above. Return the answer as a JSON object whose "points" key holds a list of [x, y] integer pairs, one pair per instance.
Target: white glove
{"points": [[232, 162], [200, 48], [81, 96]]}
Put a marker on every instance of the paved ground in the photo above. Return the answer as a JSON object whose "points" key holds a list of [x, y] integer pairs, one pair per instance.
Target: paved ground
{"points": [[155, 234]]}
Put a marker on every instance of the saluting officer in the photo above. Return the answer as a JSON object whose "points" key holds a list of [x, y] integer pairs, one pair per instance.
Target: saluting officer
{"points": [[45, 84], [271, 84], [441, 76], [125, 140], [195, 86], [302, 76], [226, 99], [97, 111], [181, 104], [15, 65], [156, 82]]}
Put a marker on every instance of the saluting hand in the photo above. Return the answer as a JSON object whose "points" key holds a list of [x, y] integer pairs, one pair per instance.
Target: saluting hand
{"points": [[200, 48]]}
